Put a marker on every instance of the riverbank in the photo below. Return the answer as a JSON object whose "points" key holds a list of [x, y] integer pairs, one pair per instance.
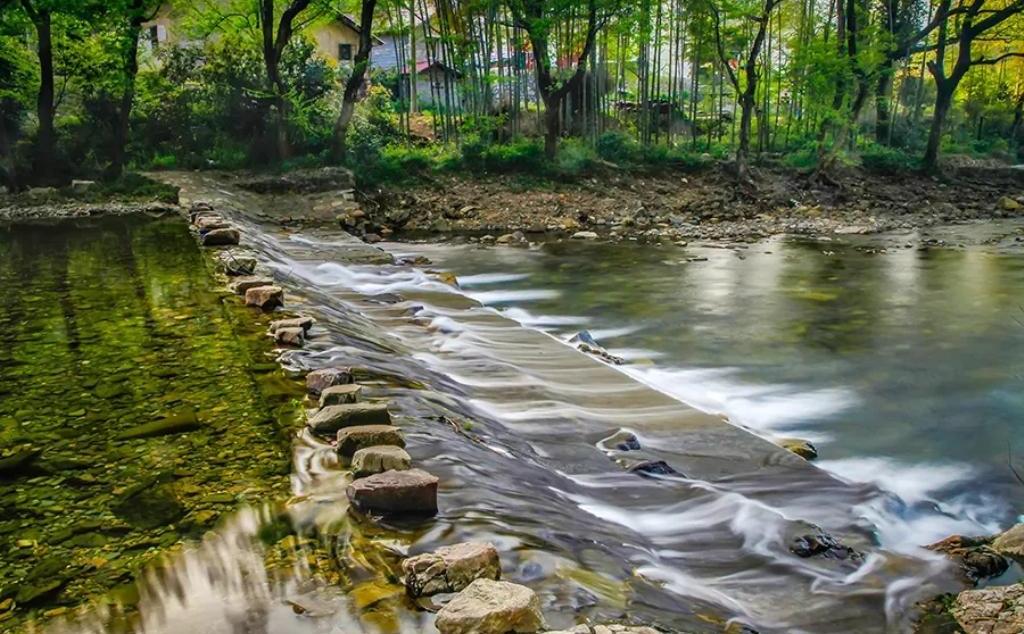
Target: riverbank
{"points": [[704, 205]]}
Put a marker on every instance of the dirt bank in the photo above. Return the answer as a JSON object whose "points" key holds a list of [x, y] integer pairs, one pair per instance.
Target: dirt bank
{"points": [[674, 205]]}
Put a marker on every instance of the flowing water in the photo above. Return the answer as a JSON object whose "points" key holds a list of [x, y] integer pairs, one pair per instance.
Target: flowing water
{"points": [[899, 366]]}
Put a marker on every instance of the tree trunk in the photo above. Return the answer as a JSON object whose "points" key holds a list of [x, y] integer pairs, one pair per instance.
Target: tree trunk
{"points": [[883, 95], [552, 125], [1018, 119], [943, 100], [46, 138], [355, 81], [743, 147], [131, 69]]}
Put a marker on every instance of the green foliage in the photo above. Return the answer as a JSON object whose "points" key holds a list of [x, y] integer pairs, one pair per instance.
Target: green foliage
{"points": [[617, 147], [885, 159]]}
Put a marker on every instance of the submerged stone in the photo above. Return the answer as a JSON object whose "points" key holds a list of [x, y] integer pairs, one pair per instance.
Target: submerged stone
{"points": [[450, 568], [352, 439], [174, 424], [654, 468], [19, 462], [319, 380], [412, 492], [236, 264], [265, 297], [491, 607], [824, 545], [149, 504], [379, 458], [621, 440], [802, 448], [341, 394], [334, 417]]}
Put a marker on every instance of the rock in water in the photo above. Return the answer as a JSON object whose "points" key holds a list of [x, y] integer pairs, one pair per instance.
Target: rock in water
{"points": [[584, 235], [175, 424], [235, 263], [241, 285], [450, 568], [412, 492], [977, 560], [341, 394], [824, 545], [220, 237], [1008, 204], [319, 380], [334, 417], [802, 448], [491, 607], [296, 322], [378, 459], [149, 504], [654, 468], [621, 440], [209, 223], [352, 439], [19, 462], [294, 337], [265, 297], [996, 610], [1011, 543]]}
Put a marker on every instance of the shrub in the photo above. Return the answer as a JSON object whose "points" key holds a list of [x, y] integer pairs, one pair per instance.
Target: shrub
{"points": [[575, 157], [523, 156], [617, 147], [882, 158]]}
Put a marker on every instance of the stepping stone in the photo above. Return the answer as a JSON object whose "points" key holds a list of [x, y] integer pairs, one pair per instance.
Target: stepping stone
{"points": [[220, 238], [352, 439], [378, 459], [234, 263], [290, 337], [491, 607], [654, 468], [319, 380], [265, 297], [208, 223], [341, 394], [450, 568], [296, 322], [241, 285], [412, 492], [334, 417], [802, 448]]}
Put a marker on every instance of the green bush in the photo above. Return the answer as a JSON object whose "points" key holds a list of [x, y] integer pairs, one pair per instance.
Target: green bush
{"points": [[617, 147], [522, 156], [575, 157], [882, 158]]}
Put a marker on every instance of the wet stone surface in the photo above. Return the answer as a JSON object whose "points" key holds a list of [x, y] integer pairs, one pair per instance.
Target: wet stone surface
{"points": [[130, 419]]}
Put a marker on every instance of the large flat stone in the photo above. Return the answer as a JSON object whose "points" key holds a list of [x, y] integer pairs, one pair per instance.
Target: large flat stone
{"points": [[491, 607], [295, 322], [334, 417], [352, 439], [412, 492], [1011, 543], [450, 568], [378, 459], [319, 380], [294, 337], [240, 285], [341, 394], [996, 610]]}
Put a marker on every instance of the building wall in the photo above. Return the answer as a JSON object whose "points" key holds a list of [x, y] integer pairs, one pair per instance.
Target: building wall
{"points": [[329, 37]]}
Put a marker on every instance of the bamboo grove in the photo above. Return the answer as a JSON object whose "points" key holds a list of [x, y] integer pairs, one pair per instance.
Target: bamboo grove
{"points": [[818, 82]]}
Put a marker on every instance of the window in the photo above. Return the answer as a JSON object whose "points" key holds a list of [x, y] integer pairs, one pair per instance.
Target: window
{"points": [[345, 52], [154, 35]]}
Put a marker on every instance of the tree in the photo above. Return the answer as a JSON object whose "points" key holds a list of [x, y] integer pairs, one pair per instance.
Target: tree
{"points": [[974, 20], [538, 19], [355, 81], [275, 36], [40, 14], [747, 88]]}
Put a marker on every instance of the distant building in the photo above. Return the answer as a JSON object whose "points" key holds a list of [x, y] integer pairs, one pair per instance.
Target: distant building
{"points": [[431, 75]]}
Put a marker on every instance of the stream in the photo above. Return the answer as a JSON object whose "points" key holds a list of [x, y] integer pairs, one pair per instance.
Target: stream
{"points": [[901, 367]]}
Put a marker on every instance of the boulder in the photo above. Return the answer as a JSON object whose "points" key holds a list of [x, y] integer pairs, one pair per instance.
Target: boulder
{"points": [[974, 555], [294, 337], [220, 237], [378, 459], [341, 394], [265, 297], [821, 544], [491, 607], [1008, 204], [334, 417], [450, 568], [412, 492], [352, 439], [584, 235], [802, 448], [240, 285], [621, 440], [1011, 543], [994, 610], [305, 323], [319, 380]]}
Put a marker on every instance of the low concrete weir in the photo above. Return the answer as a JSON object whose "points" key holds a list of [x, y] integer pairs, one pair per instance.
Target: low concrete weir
{"points": [[511, 420]]}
